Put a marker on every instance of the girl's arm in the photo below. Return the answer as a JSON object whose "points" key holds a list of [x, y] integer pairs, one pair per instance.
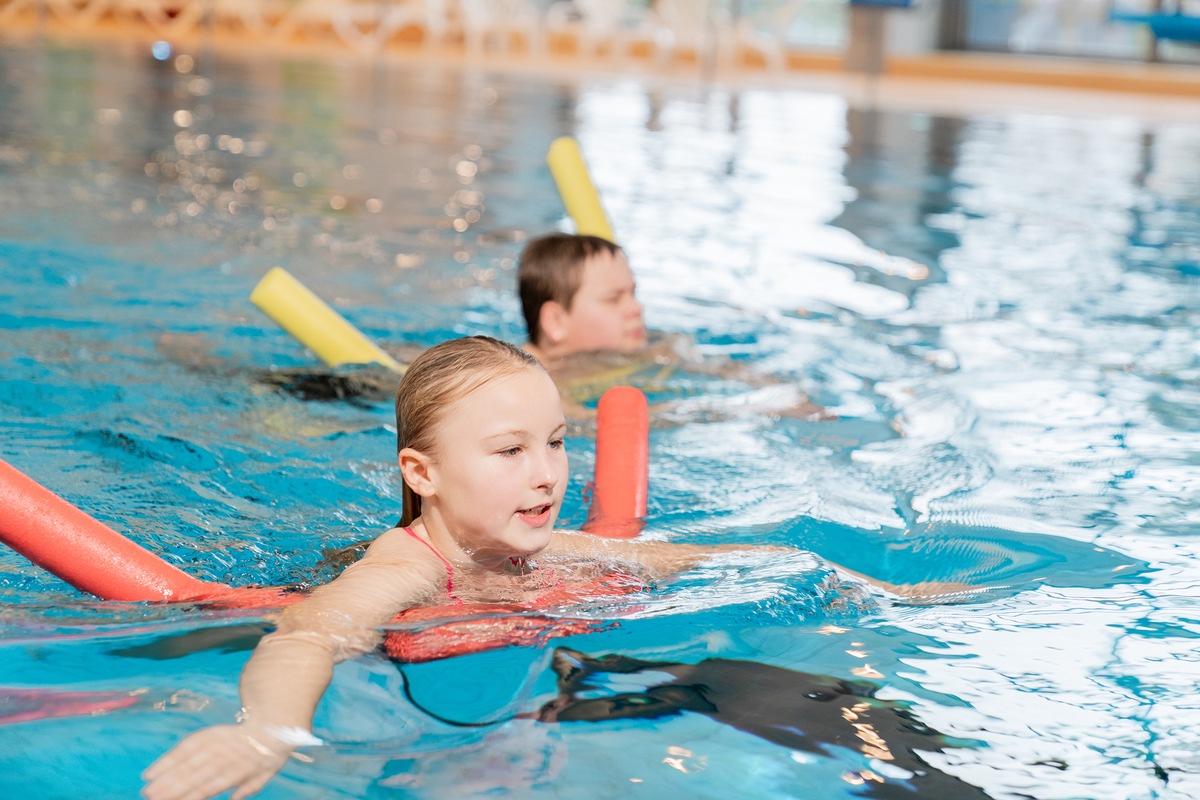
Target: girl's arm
{"points": [[662, 559], [918, 593], [656, 559], [289, 671]]}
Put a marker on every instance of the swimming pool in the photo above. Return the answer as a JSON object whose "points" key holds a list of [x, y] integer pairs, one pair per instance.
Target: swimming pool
{"points": [[999, 307]]}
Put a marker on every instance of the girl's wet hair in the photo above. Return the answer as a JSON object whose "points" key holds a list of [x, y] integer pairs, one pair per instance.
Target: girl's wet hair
{"points": [[440, 377]]}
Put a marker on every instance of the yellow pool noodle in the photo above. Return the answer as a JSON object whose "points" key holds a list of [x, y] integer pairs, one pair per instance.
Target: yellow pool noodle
{"points": [[314, 324], [575, 186]]}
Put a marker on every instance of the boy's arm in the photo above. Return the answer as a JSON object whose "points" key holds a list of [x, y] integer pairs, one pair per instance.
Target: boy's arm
{"points": [[283, 682]]}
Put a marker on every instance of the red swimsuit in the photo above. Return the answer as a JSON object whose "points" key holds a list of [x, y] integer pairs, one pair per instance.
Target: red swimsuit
{"points": [[459, 629], [442, 558]]}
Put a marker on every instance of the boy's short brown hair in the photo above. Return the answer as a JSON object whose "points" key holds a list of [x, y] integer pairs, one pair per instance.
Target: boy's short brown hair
{"points": [[551, 268]]}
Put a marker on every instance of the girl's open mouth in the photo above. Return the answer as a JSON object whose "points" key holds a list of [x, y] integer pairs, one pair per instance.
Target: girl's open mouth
{"points": [[537, 515]]}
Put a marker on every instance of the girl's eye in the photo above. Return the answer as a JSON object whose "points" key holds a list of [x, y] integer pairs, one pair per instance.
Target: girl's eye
{"points": [[557, 444], [511, 451]]}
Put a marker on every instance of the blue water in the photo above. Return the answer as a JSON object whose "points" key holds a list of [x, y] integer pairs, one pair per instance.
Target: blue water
{"points": [[1000, 309]]}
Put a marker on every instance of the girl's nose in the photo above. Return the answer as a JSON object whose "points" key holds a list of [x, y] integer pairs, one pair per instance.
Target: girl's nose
{"points": [[545, 470]]}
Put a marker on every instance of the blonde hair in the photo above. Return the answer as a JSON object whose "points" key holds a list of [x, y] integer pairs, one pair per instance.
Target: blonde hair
{"points": [[440, 377]]}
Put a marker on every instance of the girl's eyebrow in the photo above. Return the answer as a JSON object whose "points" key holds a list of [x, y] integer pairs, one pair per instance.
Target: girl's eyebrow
{"points": [[521, 432]]}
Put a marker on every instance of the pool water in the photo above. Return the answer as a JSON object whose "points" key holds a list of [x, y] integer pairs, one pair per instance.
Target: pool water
{"points": [[1000, 308]]}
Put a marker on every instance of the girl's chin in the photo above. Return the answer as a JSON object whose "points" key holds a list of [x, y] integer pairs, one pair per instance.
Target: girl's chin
{"points": [[535, 541]]}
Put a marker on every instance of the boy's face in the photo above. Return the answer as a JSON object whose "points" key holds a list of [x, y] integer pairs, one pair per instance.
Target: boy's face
{"points": [[605, 313]]}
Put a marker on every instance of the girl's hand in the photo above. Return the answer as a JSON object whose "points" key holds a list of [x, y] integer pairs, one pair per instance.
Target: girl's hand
{"points": [[210, 761]]}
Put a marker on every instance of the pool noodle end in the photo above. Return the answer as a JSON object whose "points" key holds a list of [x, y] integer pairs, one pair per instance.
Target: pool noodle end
{"points": [[575, 186], [83, 551], [315, 324], [621, 475]]}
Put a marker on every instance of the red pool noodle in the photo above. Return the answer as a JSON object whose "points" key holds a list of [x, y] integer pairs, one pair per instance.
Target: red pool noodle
{"points": [[27, 705], [94, 558], [82, 551], [622, 464]]}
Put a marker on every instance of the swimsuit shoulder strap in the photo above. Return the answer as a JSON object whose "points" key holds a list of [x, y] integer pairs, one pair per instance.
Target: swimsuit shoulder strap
{"points": [[440, 557]]}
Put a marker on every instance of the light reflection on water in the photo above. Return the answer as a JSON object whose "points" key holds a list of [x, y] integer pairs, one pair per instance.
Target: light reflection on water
{"points": [[1001, 310]]}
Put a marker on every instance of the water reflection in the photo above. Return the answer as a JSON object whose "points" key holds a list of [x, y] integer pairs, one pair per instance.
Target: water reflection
{"points": [[810, 714], [1000, 310]]}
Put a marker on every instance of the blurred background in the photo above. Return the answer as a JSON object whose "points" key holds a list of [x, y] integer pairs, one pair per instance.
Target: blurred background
{"points": [[771, 35]]}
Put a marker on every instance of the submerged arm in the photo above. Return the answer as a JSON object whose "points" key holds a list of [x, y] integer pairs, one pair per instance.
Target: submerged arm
{"points": [[289, 671], [918, 593], [662, 559], [655, 559]]}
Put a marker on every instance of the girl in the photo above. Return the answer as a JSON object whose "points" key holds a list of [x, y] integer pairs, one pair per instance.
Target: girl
{"points": [[480, 435]]}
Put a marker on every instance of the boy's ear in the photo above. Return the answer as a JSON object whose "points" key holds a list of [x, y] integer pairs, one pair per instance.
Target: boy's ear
{"points": [[552, 319], [415, 467]]}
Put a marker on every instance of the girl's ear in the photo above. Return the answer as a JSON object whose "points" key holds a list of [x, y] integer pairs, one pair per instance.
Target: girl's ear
{"points": [[415, 467], [552, 319]]}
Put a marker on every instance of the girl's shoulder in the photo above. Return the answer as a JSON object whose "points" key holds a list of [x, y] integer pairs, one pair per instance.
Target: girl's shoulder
{"points": [[397, 549], [397, 541], [392, 537], [392, 576]]}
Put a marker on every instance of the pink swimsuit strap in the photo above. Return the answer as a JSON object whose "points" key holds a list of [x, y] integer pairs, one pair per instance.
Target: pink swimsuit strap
{"points": [[445, 563]]}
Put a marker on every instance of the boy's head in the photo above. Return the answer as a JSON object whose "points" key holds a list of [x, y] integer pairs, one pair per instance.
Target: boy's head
{"points": [[577, 294]]}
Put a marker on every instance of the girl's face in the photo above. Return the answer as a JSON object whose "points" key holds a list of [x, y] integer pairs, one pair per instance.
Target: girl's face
{"points": [[500, 469]]}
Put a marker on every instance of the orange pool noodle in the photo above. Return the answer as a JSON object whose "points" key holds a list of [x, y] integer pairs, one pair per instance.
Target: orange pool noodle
{"points": [[94, 558], [621, 477], [82, 551]]}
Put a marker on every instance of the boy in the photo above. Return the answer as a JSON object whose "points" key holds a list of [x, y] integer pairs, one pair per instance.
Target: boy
{"points": [[577, 295], [585, 325]]}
